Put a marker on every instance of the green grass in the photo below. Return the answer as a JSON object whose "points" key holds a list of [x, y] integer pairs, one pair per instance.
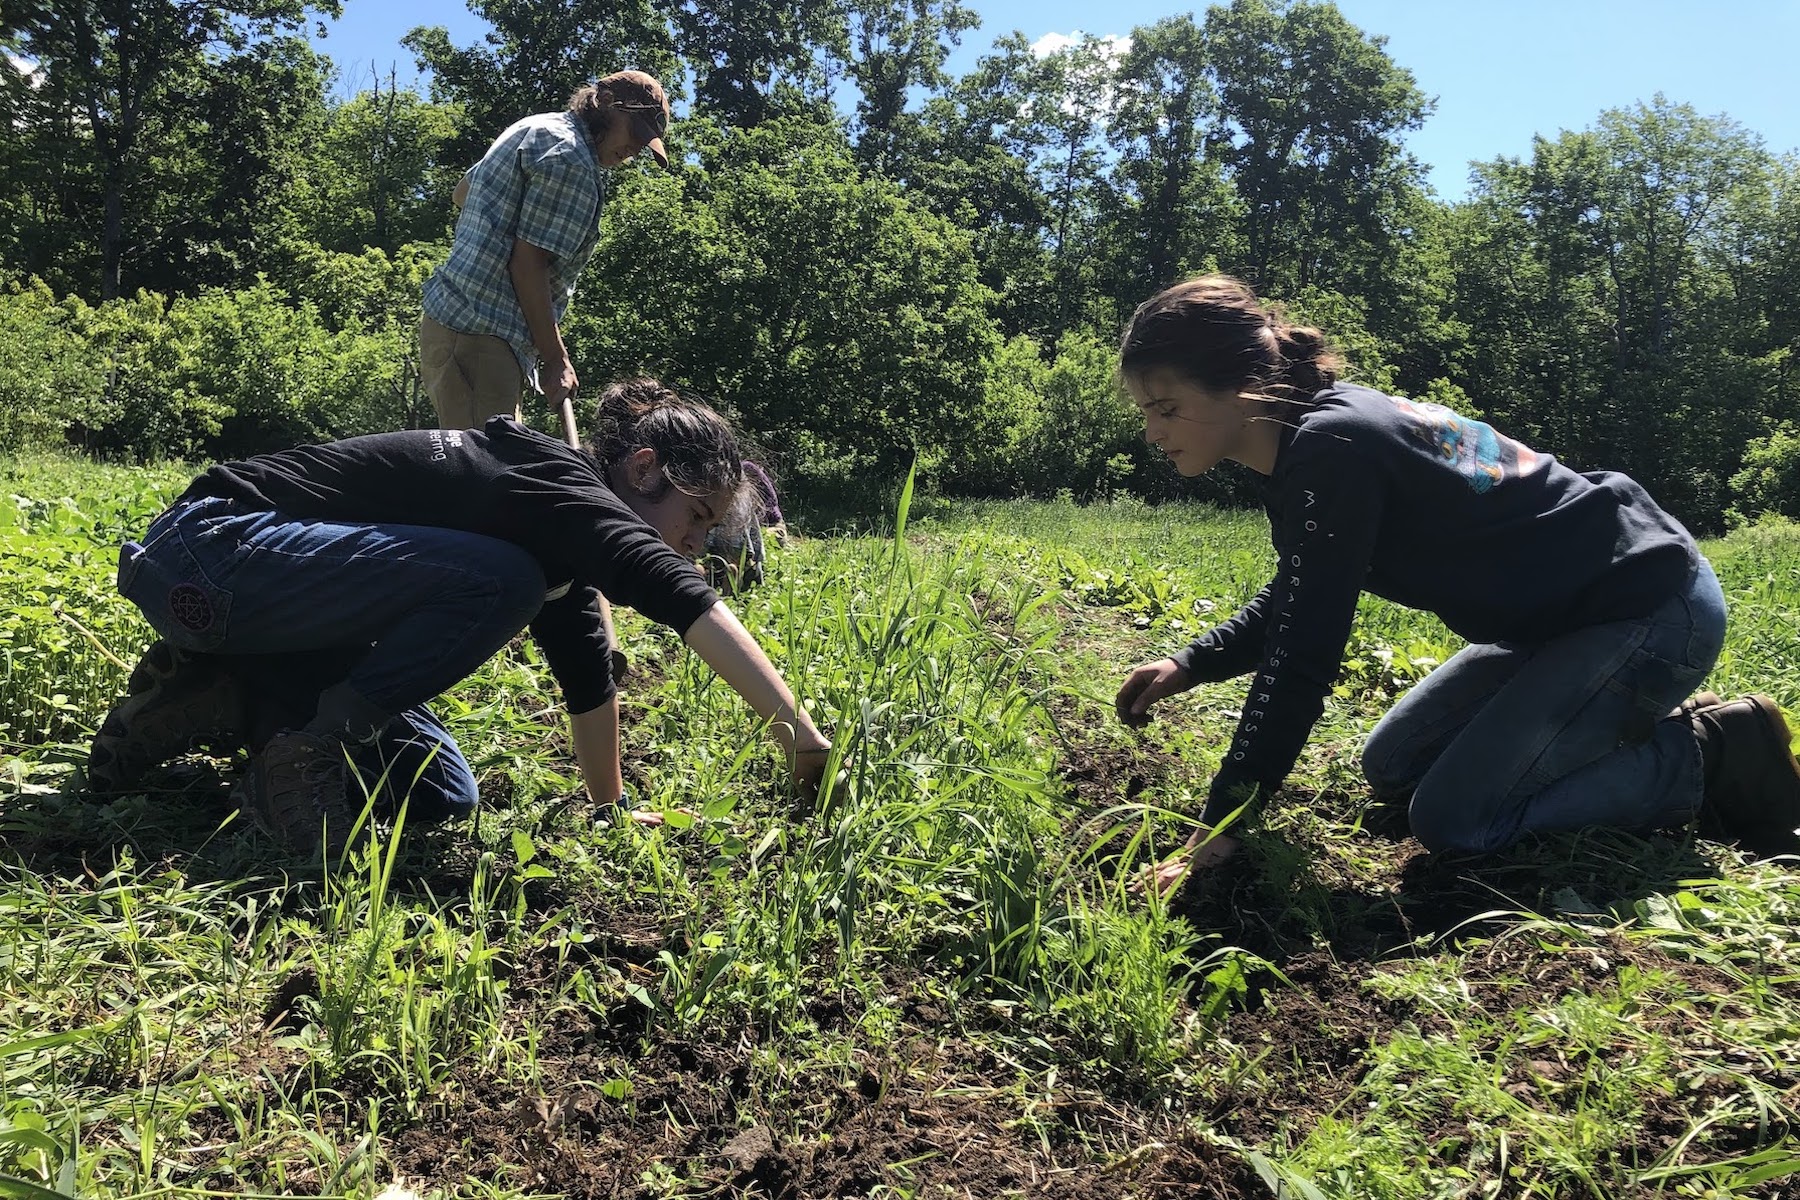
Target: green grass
{"points": [[550, 1001]]}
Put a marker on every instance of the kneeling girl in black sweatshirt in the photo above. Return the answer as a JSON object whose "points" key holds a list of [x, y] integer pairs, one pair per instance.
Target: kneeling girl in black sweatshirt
{"points": [[1590, 611]]}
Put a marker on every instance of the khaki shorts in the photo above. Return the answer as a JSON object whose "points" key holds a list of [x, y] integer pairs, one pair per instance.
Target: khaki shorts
{"points": [[469, 376]]}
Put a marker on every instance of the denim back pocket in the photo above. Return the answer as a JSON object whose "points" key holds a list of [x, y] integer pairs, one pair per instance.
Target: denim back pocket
{"points": [[165, 579]]}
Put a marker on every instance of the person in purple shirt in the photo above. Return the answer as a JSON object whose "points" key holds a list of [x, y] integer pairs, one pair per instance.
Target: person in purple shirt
{"points": [[734, 550], [1590, 611]]}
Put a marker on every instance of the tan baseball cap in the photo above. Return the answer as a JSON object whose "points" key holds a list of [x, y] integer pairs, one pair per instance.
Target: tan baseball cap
{"points": [[641, 96]]}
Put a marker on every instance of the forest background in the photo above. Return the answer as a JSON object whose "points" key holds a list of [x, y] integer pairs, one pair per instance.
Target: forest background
{"points": [[207, 249]]}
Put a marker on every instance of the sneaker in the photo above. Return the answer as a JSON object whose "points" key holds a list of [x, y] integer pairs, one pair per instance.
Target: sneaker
{"points": [[1752, 781], [175, 701], [297, 791]]}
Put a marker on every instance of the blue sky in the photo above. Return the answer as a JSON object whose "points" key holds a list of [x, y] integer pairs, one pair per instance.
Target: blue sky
{"points": [[1501, 71]]}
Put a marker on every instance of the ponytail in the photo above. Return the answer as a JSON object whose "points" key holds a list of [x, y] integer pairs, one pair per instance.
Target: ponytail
{"points": [[696, 447], [1310, 364], [1216, 332]]}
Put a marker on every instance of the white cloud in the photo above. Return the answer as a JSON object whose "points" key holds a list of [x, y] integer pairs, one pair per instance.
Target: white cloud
{"points": [[1117, 45], [26, 67]]}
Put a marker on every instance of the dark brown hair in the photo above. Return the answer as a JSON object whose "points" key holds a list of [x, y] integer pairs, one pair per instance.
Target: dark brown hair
{"points": [[591, 105], [698, 448], [1214, 331], [633, 94]]}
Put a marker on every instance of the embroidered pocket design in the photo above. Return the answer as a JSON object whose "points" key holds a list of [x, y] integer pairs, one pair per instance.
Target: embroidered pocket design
{"points": [[191, 606]]}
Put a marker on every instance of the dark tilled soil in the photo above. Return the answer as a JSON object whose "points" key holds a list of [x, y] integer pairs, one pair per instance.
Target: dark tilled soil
{"points": [[913, 1118]]}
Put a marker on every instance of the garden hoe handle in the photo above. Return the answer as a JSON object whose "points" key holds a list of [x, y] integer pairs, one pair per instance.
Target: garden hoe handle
{"points": [[568, 420]]}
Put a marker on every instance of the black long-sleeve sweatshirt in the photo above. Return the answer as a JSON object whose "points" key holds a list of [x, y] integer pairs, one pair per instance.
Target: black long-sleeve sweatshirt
{"points": [[503, 481], [1435, 511]]}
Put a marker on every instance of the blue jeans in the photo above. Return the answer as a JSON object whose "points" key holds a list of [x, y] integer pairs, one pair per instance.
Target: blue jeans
{"points": [[413, 758], [1572, 732], [364, 623]]}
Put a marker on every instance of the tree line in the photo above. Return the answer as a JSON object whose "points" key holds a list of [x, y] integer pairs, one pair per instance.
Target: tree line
{"points": [[206, 248]]}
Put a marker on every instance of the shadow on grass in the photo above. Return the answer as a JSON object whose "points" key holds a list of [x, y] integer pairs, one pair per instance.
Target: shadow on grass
{"points": [[184, 818], [1280, 899]]}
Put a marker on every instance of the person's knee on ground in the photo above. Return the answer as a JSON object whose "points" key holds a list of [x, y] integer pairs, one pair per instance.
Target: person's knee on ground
{"points": [[1439, 823], [309, 787], [417, 765], [1389, 775]]}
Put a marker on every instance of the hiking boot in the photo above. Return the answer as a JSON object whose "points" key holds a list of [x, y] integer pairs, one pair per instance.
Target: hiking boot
{"points": [[1696, 702], [1752, 781], [297, 791], [175, 701]]}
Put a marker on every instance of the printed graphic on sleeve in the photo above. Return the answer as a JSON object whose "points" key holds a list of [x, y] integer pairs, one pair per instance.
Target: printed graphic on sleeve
{"points": [[1483, 456]]}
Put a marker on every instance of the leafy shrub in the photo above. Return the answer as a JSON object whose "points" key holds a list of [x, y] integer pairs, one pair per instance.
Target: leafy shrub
{"points": [[42, 364], [843, 323], [1053, 425], [1770, 479], [367, 291], [222, 375]]}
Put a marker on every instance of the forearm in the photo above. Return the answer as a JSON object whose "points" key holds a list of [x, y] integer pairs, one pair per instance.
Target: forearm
{"points": [[721, 640], [596, 737], [1231, 648], [529, 267]]}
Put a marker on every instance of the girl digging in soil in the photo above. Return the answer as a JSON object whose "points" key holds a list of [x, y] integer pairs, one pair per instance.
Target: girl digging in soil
{"points": [[311, 602], [1590, 611]]}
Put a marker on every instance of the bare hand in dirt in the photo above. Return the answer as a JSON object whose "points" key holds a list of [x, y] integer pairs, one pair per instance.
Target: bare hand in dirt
{"points": [[1145, 686], [809, 770], [1203, 850]]}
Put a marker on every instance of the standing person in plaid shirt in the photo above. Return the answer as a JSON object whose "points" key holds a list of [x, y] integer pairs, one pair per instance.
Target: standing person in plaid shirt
{"points": [[530, 218]]}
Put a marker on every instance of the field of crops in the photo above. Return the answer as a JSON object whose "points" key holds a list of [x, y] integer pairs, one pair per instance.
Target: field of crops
{"points": [[935, 983]]}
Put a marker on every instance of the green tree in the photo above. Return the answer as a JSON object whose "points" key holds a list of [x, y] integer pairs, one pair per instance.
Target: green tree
{"points": [[1174, 213], [843, 324], [1312, 116], [378, 175], [894, 49], [964, 161], [46, 225], [538, 53], [1611, 314], [1771, 273], [756, 59], [1017, 151], [133, 90]]}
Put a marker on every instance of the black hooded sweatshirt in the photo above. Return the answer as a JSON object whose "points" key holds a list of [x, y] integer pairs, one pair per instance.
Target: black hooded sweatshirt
{"points": [[502, 481], [1438, 512]]}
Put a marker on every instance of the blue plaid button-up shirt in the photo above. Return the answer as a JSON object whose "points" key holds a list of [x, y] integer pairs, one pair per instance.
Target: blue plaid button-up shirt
{"points": [[539, 181]]}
